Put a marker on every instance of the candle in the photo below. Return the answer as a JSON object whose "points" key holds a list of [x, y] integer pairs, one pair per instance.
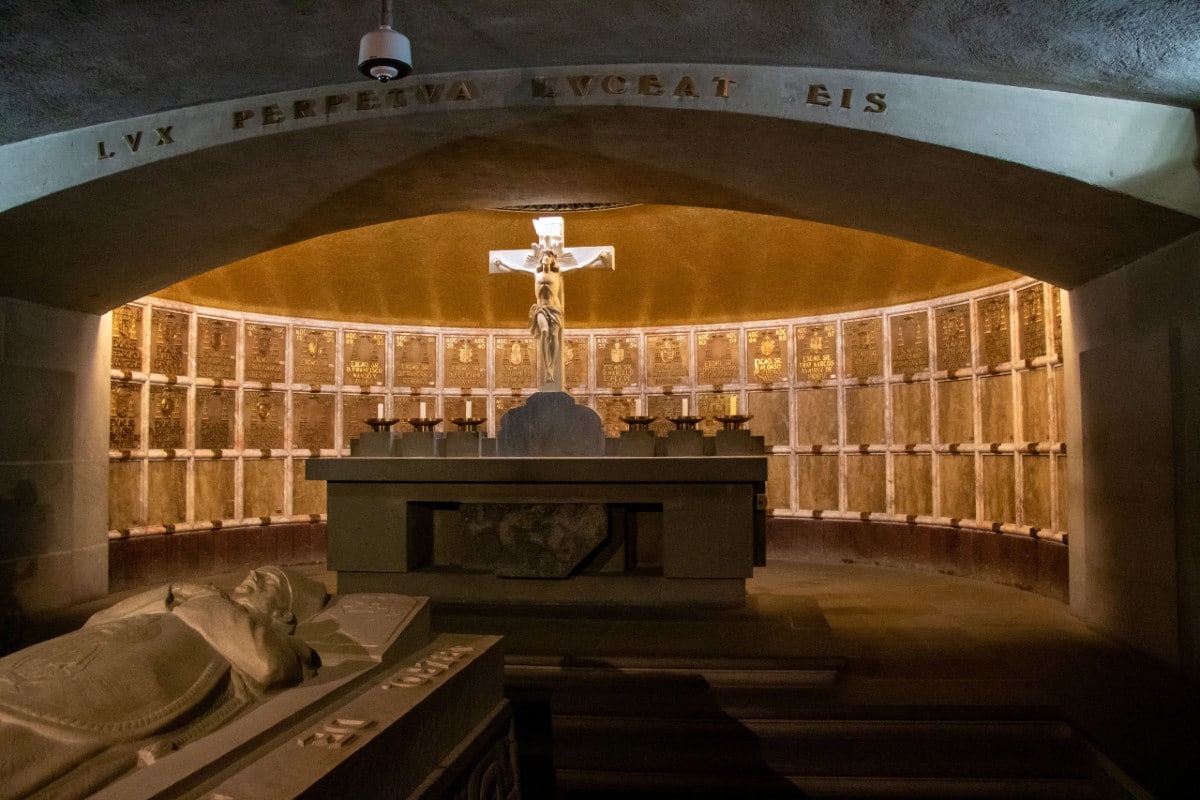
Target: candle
{"points": [[422, 414], [733, 406], [684, 414], [379, 411], [469, 409], [637, 406]]}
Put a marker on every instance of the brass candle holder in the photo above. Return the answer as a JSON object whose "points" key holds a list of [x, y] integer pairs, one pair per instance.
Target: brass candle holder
{"points": [[685, 423], [424, 423], [638, 423], [469, 423], [380, 424], [734, 422]]}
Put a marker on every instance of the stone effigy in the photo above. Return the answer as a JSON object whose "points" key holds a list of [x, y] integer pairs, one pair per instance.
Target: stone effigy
{"points": [[166, 667]]}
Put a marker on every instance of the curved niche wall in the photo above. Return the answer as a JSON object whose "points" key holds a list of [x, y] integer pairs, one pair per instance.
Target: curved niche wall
{"points": [[928, 434]]}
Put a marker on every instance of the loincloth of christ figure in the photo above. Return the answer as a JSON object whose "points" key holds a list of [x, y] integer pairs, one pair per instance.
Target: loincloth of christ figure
{"points": [[143, 678]]}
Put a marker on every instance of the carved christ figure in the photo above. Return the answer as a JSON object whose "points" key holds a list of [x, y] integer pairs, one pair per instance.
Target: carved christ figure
{"points": [[547, 261]]}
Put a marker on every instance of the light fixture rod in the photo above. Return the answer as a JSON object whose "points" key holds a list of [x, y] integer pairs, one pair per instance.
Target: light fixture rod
{"points": [[385, 13]]}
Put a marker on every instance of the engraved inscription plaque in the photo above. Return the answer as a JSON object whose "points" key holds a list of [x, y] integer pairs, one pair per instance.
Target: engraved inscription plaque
{"points": [[312, 356], [262, 416], [711, 405], [953, 337], [611, 409], [406, 407], [1032, 313], [356, 410], [127, 338], [167, 404], [994, 345], [169, 332], [515, 362], [816, 352], [766, 355], [617, 362], [363, 357], [575, 361], [1056, 294], [504, 404], [667, 360], [910, 343], [864, 351], [466, 362], [264, 353], [312, 421], [124, 416], [415, 360], [214, 418], [664, 406], [216, 350], [717, 357]]}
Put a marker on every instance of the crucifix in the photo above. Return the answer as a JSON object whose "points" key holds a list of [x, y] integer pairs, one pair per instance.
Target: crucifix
{"points": [[546, 261]]}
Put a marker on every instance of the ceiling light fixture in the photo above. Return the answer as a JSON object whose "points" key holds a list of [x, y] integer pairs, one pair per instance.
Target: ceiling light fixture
{"points": [[385, 54]]}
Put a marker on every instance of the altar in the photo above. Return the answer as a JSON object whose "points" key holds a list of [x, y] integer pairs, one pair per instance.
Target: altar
{"points": [[585, 530]]}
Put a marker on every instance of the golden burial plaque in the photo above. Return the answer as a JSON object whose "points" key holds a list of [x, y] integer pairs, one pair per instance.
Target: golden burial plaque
{"points": [[910, 342], [717, 357], [667, 360], [312, 356], [994, 345], [262, 416], [167, 405], [515, 362], [265, 353], [611, 409], [356, 410], [953, 337], [616, 362], [766, 354], [363, 358], [575, 361], [169, 333], [816, 352], [465, 362], [864, 351], [214, 418], [216, 349], [504, 404], [1032, 313], [124, 416], [127, 338], [312, 421], [415, 360]]}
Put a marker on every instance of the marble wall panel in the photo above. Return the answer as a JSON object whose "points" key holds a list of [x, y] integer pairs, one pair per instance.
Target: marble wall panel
{"points": [[1035, 405], [216, 348], [913, 482], [312, 421], [996, 408], [262, 487], [125, 495], [1035, 491], [167, 492], [953, 337], [313, 356], [779, 482], [127, 349], [999, 487], [910, 342], [308, 497], [265, 349], [956, 411], [169, 342], [817, 482], [956, 479], [769, 417], [1059, 428], [816, 352], [516, 362], [415, 360], [364, 356], [465, 360], [213, 496], [717, 358], [668, 360], [816, 417], [863, 347], [617, 365], [910, 413], [866, 482], [767, 355], [864, 415], [1063, 491]]}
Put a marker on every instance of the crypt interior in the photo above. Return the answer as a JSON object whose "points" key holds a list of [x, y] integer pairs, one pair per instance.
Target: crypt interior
{"points": [[942, 255]]}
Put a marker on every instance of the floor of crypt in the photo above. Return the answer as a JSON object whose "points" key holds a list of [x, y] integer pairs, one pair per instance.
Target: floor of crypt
{"points": [[833, 681]]}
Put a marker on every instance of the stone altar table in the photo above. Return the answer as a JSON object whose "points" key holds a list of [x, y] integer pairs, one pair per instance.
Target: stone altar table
{"points": [[681, 531]]}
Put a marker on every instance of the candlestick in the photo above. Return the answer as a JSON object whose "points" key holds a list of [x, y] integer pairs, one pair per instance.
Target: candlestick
{"points": [[637, 406]]}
